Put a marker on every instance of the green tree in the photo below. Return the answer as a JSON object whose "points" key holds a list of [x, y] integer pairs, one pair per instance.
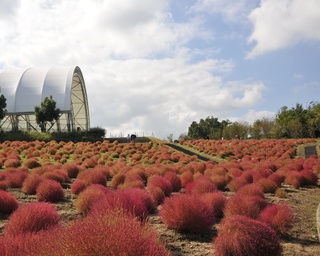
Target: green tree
{"points": [[3, 105], [292, 123], [314, 119], [209, 128], [236, 130], [263, 129], [46, 112]]}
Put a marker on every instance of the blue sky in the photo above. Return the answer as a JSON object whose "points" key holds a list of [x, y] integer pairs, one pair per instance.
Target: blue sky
{"points": [[152, 67]]}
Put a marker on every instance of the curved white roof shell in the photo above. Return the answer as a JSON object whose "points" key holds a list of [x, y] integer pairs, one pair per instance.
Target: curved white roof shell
{"points": [[26, 88]]}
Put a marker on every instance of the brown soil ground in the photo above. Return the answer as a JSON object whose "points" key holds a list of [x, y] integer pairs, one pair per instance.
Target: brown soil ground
{"points": [[301, 240]]}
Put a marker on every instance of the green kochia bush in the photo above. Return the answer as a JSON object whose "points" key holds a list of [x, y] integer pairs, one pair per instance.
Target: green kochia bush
{"points": [[240, 235]]}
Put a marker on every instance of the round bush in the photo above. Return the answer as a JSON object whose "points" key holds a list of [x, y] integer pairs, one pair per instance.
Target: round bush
{"points": [[187, 213], [278, 216], [50, 191], [240, 235], [8, 202], [31, 217]]}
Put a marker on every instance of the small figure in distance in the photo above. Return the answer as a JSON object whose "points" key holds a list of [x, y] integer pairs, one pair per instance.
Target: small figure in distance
{"points": [[133, 137], [128, 138]]}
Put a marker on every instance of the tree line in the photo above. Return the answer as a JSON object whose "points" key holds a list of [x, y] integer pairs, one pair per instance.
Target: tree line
{"points": [[295, 122]]}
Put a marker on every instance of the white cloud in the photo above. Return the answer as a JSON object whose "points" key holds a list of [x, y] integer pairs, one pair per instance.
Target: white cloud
{"points": [[141, 76], [279, 24]]}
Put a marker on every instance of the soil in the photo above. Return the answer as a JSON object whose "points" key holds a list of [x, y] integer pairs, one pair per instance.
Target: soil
{"points": [[301, 240]]}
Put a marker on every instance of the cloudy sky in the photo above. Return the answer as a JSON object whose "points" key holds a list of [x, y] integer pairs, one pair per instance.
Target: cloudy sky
{"points": [[152, 67]]}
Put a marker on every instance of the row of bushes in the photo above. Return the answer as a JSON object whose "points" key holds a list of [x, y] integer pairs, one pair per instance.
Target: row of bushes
{"points": [[94, 134]]}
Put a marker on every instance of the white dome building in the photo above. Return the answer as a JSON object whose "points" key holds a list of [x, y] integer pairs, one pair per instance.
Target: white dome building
{"points": [[26, 88]]}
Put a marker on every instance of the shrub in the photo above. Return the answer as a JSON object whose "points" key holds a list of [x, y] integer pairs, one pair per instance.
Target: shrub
{"points": [[140, 195], [267, 185], [201, 186], [174, 179], [186, 177], [239, 235], [130, 204], [8, 202], [113, 233], [117, 180], [216, 201], [249, 206], [160, 182], [251, 190], [72, 169], [309, 177], [31, 217], [157, 195], [50, 191], [16, 177], [91, 176], [12, 162], [187, 213], [86, 198], [294, 178], [278, 216], [31, 183], [31, 163], [77, 186], [281, 193], [219, 180], [236, 183]]}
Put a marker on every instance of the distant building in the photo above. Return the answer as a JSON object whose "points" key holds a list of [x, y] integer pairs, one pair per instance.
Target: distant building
{"points": [[26, 88]]}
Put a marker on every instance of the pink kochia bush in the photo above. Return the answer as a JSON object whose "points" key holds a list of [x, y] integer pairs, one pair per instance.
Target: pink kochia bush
{"points": [[278, 216], [8, 202], [187, 213], [239, 235], [200, 186], [50, 191], [112, 233], [249, 206], [88, 196], [31, 217], [132, 201]]}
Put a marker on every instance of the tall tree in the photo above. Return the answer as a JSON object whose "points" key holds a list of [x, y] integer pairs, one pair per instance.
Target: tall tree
{"points": [[292, 123], [263, 129], [209, 128], [236, 130], [3, 105], [46, 112]]}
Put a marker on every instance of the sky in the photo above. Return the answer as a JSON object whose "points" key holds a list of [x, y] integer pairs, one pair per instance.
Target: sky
{"points": [[152, 67]]}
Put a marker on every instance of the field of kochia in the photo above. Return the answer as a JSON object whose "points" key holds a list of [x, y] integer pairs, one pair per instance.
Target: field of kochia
{"points": [[115, 187]]}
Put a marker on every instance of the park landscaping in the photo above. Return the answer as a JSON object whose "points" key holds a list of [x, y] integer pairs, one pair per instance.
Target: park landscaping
{"points": [[250, 197]]}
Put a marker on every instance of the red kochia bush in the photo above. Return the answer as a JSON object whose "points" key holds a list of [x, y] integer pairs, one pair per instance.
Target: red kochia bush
{"points": [[201, 186], [216, 201], [31, 183], [239, 235], [249, 206], [130, 203], [278, 216], [85, 199], [174, 179], [187, 213], [113, 233], [77, 187], [50, 191], [32, 217], [160, 182], [8, 202]]}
